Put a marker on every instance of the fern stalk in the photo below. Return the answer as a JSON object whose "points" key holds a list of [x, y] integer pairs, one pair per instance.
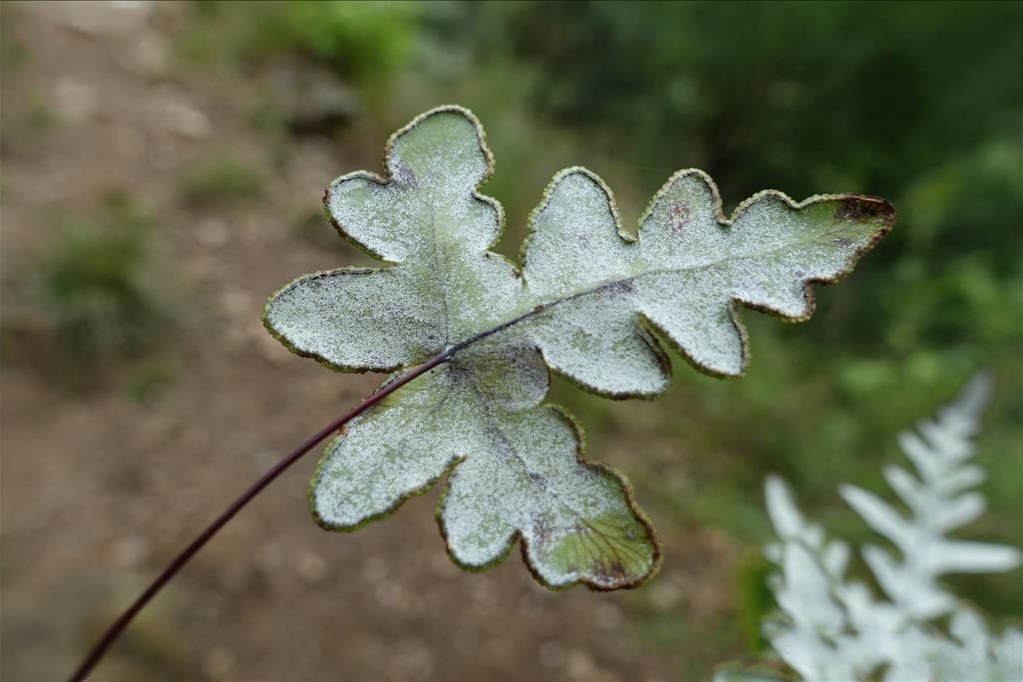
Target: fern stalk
{"points": [[114, 631]]}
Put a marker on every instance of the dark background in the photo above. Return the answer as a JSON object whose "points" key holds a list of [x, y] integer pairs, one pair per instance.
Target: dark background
{"points": [[162, 171]]}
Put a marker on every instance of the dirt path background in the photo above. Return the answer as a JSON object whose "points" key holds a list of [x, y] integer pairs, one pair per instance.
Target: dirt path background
{"points": [[100, 489]]}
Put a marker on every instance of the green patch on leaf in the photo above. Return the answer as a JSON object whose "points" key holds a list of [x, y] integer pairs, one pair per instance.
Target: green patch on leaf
{"points": [[589, 302]]}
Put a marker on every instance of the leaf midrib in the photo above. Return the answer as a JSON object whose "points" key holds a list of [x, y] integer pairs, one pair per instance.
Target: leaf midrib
{"points": [[608, 284], [436, 264]]}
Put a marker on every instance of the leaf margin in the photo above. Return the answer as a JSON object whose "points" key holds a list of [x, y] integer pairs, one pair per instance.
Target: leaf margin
{"points": [[516, 538], [881, 207], [284, 341], [628, 495], [384, 179]]}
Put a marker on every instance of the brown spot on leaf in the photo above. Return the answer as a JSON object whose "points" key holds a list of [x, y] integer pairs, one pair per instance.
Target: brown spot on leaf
{"points": [[860, 209], [403, 175], [622, 286], [542, 531], [679, 216], [610, 573]]}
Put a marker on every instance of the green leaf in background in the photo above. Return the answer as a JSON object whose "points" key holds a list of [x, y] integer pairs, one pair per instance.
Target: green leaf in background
{"points": [[589, 302]]}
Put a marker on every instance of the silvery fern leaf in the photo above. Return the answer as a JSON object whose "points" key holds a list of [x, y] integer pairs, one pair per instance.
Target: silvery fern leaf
{"points": [[832, 628], [789, 525], [938, 503], [478, 335]]}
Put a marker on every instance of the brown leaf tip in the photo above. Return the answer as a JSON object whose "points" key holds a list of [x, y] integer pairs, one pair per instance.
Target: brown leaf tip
{"points": [[862, 209]]}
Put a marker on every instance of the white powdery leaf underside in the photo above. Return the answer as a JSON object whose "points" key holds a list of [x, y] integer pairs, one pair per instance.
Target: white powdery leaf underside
{"points": [[518, 474], [589, 302]]}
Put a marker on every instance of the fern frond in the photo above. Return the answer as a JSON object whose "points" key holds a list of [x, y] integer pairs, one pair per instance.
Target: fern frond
{"points": [[831, 628], [938, 503]]}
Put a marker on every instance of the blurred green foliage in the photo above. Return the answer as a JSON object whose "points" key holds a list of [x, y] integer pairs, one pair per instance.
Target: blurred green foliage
{"points": [[220, 177], [147, 378], [13, 52], [38, 113], [755, 600], [95, 285], [917, 102], [363, 41]]}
